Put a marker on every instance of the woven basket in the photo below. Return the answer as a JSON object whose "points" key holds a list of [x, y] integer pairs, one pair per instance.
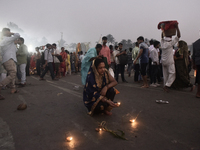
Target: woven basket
{"points": [[170, 32]]}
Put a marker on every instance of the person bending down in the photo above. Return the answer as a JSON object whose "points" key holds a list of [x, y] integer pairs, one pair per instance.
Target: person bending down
{"points": [[98, 92]]}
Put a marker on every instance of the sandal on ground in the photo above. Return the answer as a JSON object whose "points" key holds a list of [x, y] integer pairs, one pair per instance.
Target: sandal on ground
{"points": [[1, 97]]}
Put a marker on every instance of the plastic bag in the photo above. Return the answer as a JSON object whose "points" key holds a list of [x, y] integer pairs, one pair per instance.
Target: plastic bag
{"points": [[111, 72]]}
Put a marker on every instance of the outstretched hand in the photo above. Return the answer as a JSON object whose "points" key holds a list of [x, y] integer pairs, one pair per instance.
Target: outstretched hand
{"points": [[111, 103]]}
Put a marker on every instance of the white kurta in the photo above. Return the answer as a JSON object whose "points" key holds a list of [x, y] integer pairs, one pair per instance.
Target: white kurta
{"points": [[167, 60]]}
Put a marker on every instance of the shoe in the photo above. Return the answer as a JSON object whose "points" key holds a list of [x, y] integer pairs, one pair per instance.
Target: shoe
{"points": [[153, 85], [42, 79], [55, 79], [157, 84]]}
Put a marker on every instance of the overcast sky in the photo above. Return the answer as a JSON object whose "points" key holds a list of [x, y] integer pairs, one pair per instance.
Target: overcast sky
{"points": [[86, 20]]}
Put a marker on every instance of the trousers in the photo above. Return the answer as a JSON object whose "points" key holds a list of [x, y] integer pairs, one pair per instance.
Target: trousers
{"points": [[169, 74], [11, 69], [50, 68], [21, 73]]}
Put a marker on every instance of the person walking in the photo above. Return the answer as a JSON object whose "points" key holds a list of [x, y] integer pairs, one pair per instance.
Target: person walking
{"points": [[167, 59], [9, 59], [48, 66]]}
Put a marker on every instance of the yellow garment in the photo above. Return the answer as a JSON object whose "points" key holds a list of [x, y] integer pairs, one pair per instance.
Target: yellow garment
{"points": [[68, 64]]}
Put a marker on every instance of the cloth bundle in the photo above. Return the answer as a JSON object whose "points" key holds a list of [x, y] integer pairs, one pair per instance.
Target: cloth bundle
{"points": [[168, 27]]}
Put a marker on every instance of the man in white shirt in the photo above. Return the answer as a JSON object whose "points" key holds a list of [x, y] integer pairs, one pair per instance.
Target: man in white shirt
{"points": [[154, 64], [151, 47], [56, 60], [135, 53], [48, 57], [81, 56], [9, 59], [168, 60], [119, 67]]}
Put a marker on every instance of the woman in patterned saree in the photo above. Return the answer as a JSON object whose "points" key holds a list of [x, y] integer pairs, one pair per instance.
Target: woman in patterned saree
{"points": [[98, 92], [181, 64]]}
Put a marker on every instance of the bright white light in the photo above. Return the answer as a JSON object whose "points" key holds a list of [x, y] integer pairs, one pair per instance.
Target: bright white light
{"points": [[30, 48]]}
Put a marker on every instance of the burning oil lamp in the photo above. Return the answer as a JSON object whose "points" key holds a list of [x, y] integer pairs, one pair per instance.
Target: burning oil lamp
{"points": [[69, 139]]}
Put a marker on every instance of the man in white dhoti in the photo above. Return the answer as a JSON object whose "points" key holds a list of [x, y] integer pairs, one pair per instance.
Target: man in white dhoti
{"points": [[167, 59]]}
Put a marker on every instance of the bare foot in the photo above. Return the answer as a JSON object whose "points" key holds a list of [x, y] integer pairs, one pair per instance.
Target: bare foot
{"points": [[192, 88], [108, 113], [144, 86], [166, 89]]}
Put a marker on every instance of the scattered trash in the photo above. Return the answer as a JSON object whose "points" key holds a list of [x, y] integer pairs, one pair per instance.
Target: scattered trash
{"points": [[162, 102], [59, 94], [174, 141], [76, 87], [22, 107]]}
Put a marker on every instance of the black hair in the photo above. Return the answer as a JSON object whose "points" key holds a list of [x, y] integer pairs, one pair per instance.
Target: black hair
{"points": [[116, 46], [140, 38], [120, 44], [98, 46], [81, 52], [47, 45], [130, 49], [151, 42], [110, 47], [136, 44], [156, 43], [104, 38], [54, 44], [97, 62], [21, 39]]}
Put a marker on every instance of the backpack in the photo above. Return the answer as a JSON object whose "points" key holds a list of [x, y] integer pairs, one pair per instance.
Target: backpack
{"points": [[123, 59], [60, 58]]}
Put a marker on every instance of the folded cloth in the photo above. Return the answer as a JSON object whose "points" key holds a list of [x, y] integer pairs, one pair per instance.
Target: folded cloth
{"points": [[167, 25]]}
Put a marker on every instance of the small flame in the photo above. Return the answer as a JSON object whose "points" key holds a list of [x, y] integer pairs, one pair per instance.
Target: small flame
{"points": [[69, 139], [132, 121]]}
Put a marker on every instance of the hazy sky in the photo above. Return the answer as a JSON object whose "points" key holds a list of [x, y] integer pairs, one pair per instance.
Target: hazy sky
{"points": [[86, 20]]}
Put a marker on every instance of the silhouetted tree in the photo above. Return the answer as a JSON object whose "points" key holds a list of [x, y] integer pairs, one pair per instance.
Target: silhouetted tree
{"points": [[111, 39], [44, 41], [14, 27]]}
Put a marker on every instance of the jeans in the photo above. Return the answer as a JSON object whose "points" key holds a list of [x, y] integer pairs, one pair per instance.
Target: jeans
{"points": [[50, 68], [21, 73], [119, 68], [73, 69], [137, 72]]}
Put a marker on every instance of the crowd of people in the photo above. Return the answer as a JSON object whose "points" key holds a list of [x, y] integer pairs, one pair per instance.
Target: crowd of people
{"points": [[168, 62], [153, 63]]}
